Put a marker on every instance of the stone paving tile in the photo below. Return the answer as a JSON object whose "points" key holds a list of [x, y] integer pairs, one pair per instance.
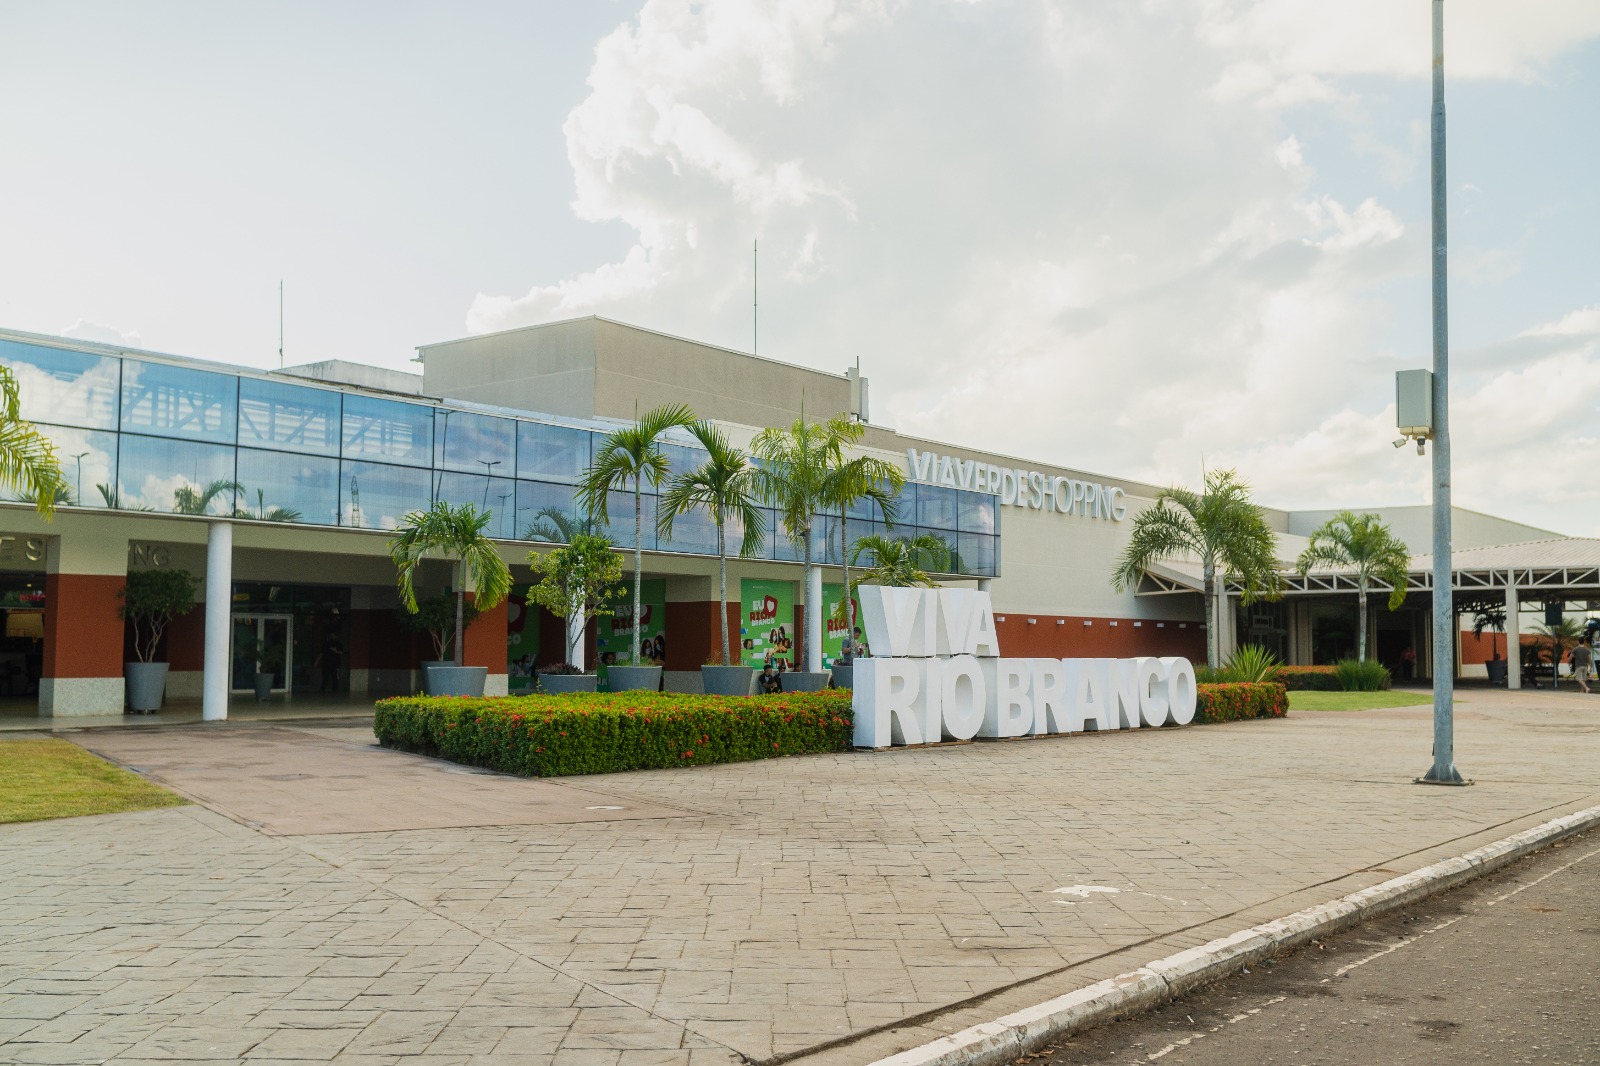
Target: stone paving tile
{"points": [[812, 899]]}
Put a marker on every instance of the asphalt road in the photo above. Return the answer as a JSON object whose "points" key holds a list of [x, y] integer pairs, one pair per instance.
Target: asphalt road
{"points": [[1504, 970]]}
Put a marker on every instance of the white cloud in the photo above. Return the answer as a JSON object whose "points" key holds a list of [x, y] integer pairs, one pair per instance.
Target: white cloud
{"points": [[85, 330]]}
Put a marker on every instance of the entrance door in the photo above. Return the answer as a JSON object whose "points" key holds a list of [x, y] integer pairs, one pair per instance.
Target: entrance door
{"points": [[255, 635]]}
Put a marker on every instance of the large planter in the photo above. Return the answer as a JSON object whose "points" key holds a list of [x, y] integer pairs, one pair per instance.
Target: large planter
{"points": [[844, 675], [147, 684], [805, 681], [264, 685], [634, 678], [452, 680], [1497, 671], [726, 680], [561, 684]]}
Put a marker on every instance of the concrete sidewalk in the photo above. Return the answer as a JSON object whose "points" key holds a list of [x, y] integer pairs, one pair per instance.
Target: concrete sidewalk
{"points": [[832, 909]]}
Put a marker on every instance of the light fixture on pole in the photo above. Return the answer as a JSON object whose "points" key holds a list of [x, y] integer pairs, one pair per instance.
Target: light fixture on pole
{"points": [[78, 491], [488, 468]]}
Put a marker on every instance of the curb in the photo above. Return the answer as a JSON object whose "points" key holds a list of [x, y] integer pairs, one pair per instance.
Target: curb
{"points": [[1029, 1029]]}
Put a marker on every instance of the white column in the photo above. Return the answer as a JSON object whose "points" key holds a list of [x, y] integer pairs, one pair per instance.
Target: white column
{"points": [[814, 621], [985, 583], [1513, 634], [219, 619], [575, 638]]}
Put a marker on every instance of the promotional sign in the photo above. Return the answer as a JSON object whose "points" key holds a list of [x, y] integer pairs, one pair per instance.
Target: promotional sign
{"points": [[833, 640], [766, 623], [522, 640], [1019, 487], [614, 645], [937, 675]]}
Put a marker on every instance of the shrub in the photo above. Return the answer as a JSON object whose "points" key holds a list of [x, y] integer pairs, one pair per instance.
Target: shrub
{"points": [[596, 733], [1249, 662], [1308, 678], [1238, 700], [1355, 676]]}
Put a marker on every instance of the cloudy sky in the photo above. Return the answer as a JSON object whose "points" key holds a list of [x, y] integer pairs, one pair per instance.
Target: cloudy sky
{"points": [[1128, 237]]}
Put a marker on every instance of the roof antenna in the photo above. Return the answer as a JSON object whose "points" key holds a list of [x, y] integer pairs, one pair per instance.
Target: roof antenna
{"points": [[755, 297], [280, 323]]}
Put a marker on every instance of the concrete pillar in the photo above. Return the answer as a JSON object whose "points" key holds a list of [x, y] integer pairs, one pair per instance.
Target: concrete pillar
{"points": [[574, 637], [1513, 634], [219, 620], [814, 630], [984, 584], [83, 627]]}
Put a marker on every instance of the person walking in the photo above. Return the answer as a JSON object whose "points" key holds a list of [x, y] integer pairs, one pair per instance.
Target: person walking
{"points": [[329, 660], [1582, 659]]}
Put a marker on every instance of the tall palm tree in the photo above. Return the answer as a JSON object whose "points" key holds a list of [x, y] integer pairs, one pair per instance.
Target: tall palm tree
{"points": [[804, 470], [1562, 635], [456, 532], [1369, 547], [901, 562], [879, 484], [28, 460], [190, 499], [1221, 528], [723, 487], [632, 456]]}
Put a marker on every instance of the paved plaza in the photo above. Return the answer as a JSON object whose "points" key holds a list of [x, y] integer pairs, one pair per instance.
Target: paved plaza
{"points": [[831, 909]]}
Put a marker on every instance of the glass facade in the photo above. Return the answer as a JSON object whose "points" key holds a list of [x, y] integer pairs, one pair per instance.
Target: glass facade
{"points": [[139, 434]]}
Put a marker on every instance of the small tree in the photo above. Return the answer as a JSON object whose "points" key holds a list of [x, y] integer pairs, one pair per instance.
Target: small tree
{"points": [[436, 616], [1562, 635], [900, 562], [150, 600], [582, 581], [454, 532], [1362, 543]]}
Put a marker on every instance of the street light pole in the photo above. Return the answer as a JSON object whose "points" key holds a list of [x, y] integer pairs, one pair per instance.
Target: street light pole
{"points": [[1443, 771], [78, 491]]}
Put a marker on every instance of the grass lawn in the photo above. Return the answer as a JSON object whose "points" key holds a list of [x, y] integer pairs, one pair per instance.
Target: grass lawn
{"points": [[1356, 701], [50, 778]]}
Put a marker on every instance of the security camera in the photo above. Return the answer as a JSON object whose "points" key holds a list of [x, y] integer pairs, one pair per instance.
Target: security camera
{"points": [[1422, 445], [1401, 443]]}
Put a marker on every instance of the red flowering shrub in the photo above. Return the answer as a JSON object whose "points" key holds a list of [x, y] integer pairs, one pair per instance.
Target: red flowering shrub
{"points": [[1237, 700], [596, 733], [1308, 678]]}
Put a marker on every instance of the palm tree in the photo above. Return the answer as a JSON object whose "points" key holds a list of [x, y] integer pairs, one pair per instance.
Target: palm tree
{"points": [[28, 461], [189, 499], [1221, 528], [457, 532], [632, 456], [1369, 547], [723, 487], [879, 484], [901, 562], [803, 471], [1562, 635]]}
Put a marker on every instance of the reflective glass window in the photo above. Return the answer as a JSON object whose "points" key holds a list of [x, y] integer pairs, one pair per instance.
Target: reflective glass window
{"points": [[545, 512], [387, 431], [902, 508], [936, 508], [551, 453], [288, 417], [859, 531], [276, 487], [497, 495], [157, 474], [475, 444], [64, 387], [681, 459], [88, 461], [375, 496], [826, 547], [694, 532], [176, 401], [620, 531], [952, 563], [779, 546], [978, 554], [975, 512]]}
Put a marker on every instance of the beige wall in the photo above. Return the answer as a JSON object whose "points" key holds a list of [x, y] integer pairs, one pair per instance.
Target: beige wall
{"points": [[549, 369]]}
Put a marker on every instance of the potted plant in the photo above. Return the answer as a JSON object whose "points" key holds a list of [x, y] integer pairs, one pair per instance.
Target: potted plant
{"points": [[804, 473], [577, 583], [151, 599], [269, 658], [724, 487], [457, 533], [630, 457], [436, 616]]}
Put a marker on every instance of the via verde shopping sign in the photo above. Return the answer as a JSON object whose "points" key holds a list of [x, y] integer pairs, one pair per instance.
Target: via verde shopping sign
{"points": [[1018, 486]]}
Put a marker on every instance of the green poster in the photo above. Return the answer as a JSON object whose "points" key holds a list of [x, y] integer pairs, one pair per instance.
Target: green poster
{"points": [[833, 643], [614, 647], [522, 639], [766, 623]]}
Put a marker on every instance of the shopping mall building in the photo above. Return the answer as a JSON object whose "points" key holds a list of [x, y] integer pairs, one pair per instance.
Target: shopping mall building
{"points": [[279, 491]]}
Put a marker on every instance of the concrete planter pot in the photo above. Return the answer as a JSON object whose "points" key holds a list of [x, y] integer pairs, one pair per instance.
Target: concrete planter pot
{"points": [[452, 680], [844, 675], [264, 686], [560, 684], [726, 680], [635, 678], [147, 684], [805, 681]]}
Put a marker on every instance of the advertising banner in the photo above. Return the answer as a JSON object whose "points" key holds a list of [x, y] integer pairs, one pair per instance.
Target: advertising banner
{"points": [[614, 646], [833, 645], [522, 640], [766, 623]]}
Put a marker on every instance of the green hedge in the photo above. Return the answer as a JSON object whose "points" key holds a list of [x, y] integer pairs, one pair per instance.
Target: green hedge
{"points": [[1308, 678], [598, 733], [1238, 700]]}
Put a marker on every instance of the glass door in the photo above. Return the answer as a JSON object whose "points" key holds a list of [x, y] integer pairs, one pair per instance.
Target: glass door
{"points": [[261, 641]]}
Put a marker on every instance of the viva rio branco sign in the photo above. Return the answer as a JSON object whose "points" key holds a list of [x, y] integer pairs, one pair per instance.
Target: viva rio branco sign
{"points": [[1019, 487], [936, 674]]}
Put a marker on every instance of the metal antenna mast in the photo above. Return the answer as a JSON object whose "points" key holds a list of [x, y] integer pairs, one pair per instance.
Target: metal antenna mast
{"points": [[755, 297], [280, 323], [1443, 771]]}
